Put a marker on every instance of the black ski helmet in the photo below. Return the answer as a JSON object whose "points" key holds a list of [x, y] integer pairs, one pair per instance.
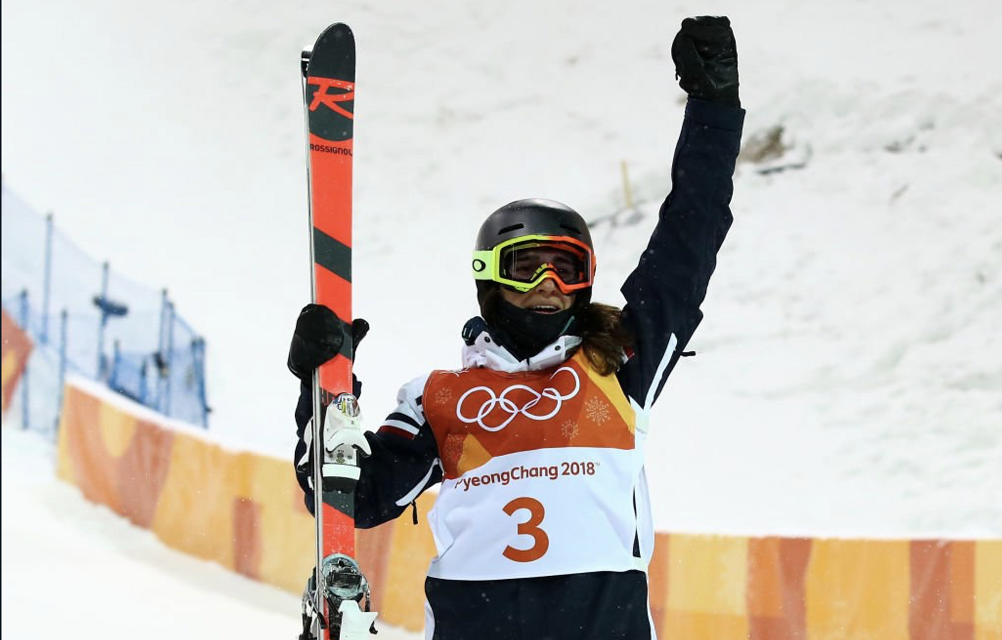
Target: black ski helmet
{"points": [[532, 216]]}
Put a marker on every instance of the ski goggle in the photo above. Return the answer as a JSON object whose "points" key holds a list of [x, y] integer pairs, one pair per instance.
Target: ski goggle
{"points": [[523, 263]]}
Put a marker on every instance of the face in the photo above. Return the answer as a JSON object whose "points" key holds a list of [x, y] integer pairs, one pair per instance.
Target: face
{"points": [[546, 297]]}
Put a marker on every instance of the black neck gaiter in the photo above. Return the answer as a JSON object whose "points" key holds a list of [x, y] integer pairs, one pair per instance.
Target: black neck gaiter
{"points": [[524, 333]]}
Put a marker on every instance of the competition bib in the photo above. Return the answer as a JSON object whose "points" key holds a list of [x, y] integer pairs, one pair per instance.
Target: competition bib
{"points": [[541, 469]]}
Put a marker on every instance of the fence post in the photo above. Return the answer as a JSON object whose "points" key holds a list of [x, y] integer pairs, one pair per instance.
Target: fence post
{"points": [[63, 320], [101, 364], [198, 353], [47, 280], [25, 414], [113, 369], [170, 354], [161, 349]]}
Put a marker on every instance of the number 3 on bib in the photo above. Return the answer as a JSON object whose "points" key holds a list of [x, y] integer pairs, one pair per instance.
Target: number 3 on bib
{"points": [[541, 541]]}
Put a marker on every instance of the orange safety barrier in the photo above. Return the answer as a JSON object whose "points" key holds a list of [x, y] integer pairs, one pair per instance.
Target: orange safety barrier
{"points": [[245, 511], [17, 347]]}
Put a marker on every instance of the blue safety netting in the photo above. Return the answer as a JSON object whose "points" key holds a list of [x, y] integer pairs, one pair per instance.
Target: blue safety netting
{"points": [[86, 319]]}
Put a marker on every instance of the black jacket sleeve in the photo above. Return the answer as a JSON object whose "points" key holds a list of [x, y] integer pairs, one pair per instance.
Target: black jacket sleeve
{"points": [[403, 464], [665, 290]]}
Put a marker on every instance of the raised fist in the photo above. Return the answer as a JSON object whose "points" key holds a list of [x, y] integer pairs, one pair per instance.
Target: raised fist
{"points": [[706, 59]]}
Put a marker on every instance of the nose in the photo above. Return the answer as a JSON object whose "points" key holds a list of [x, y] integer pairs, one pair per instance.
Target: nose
{"points": [[548, 286]]}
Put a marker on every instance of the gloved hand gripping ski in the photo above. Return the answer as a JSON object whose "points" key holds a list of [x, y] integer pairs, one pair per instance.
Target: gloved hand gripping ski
{"points": [[317, 339]]}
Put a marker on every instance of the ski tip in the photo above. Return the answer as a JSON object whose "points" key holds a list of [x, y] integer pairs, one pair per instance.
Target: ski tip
{"points": [[333, 55], [338, 30]]}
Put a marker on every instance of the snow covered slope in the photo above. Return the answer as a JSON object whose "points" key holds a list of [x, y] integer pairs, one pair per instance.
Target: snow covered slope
{"points": [[848, 378], [115, 581]]}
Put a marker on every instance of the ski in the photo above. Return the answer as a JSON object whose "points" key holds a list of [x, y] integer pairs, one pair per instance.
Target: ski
{"points": [[338, 592]]}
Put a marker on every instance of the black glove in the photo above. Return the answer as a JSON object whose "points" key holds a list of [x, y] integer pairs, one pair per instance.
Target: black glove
{"points": [[706, 59], [318, 338]]}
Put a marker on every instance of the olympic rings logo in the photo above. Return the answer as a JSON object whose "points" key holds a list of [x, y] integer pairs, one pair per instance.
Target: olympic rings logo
{"points": [[513, 410]]}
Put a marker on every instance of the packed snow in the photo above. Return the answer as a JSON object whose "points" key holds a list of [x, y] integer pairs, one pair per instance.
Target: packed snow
{"points": [[848, 375], [74, 570]]}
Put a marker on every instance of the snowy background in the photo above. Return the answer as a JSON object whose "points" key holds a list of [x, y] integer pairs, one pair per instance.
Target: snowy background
{"points": [[849, 378]]}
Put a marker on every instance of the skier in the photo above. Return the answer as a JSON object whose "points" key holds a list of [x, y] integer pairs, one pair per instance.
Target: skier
{"points": [[542, 522]]}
